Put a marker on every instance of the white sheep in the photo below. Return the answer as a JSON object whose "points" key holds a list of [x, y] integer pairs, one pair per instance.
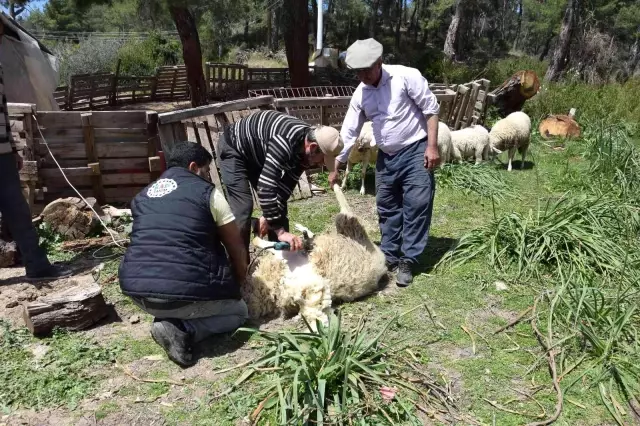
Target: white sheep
{"points": [[511, 132], [445, 146], [364, 152], [472, 141], [343, 265]]}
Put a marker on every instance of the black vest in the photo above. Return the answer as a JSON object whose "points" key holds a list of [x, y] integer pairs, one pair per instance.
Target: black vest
{"points": [[175, 252]]}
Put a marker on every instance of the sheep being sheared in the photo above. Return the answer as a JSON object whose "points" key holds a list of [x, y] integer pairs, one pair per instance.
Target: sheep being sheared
{"points": [[470, 142], [364, 152], [511, 132], [341, 266], [445, 146]]}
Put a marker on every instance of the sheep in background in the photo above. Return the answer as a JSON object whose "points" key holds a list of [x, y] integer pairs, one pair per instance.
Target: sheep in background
{"points": [[364, 152], [445, 146], [511, 132], [472, 141], [342, 266]]}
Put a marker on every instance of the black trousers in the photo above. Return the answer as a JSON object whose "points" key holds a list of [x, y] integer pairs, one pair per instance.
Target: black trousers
{"points": [[17, 217], [238, 177]]}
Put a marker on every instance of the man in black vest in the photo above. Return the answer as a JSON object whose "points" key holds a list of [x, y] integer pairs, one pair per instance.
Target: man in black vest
{"points": [[176, 267]]}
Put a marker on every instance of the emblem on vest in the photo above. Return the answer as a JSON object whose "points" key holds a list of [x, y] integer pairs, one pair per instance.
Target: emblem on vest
{"points": [[162, 187]]}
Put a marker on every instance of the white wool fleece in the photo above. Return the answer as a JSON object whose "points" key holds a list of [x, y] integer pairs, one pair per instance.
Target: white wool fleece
{"points": [[472, 141], [513, 131], [445, 148]]}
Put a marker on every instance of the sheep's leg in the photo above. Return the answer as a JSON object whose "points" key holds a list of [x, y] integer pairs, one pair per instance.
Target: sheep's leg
{"points": [[365, 163], [457, 155], [302, 229], [479, 151], [523, 152], [342, 201], [346, 174], [512, 153]]}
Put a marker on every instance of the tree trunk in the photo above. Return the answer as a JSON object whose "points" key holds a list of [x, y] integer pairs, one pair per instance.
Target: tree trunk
{"points": [[634, 58], [374, 18], [398, 24], [275, 34], [191, 53], [348, 42], [269, 29], [558, 60], [413, 26], [76, 308], [546, 47], [451, 42], [518, 25], [296, 38]]}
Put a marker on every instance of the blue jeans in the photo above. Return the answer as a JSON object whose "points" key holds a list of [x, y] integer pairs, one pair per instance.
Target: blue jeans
{"points": [[404, 197]]}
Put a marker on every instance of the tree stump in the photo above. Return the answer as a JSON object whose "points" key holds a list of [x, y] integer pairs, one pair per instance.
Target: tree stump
{"points": [[75, 308], [562, 126], [513, 92], [70, 217]]}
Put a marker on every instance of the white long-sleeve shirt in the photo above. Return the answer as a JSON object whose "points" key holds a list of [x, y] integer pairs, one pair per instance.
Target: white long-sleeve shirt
{"points": [[396, 107]]}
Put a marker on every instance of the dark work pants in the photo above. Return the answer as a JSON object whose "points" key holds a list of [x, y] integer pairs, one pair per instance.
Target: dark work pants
{"points": [[238, 178], [16, 215], [404, 196]]}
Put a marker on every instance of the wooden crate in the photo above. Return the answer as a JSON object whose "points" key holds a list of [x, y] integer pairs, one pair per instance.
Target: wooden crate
{"points": [[171, 84], [225, 81], [109, 155]]}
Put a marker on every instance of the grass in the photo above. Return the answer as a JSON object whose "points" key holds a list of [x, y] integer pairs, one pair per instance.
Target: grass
{"points": [[61, 375], [561, 238]]}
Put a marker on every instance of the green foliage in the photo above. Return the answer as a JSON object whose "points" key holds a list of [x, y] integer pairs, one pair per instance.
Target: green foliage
{"points": [[65, 374], [482, 179], [142, 57], [91, 55], [331, 375], [49, 240]]}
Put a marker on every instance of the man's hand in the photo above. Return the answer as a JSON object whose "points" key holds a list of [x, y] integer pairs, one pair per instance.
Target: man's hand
{"points": [[19, 161], [431, 157], [334, 178], [294, 241], [263, 227]]}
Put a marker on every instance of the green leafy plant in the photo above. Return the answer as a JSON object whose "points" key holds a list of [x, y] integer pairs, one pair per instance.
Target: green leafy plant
{"points": [[481, 179], [333, 375], [592, 232]]}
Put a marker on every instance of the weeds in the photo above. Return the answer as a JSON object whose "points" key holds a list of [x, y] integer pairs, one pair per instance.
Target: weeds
{"points": [[335, 376], [481, 179]]}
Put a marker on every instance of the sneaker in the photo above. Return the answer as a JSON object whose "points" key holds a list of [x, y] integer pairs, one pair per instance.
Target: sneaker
{"points": [[391, 266], [175, 342], [53, 272], [405, 276]]}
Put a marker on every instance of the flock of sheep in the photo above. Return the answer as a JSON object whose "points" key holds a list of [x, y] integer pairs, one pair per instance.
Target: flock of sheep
{"points": [[475, 142], [344, 264]]}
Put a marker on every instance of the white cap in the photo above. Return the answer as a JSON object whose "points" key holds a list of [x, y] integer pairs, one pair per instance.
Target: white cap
{"points": [[363, 53]]}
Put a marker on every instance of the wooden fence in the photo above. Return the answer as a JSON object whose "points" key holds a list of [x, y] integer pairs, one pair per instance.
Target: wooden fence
{"points": [[112, 155], [109, 155]]}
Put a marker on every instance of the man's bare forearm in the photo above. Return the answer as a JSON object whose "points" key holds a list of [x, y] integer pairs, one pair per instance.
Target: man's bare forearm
{"points": [[232, 241], [432, 130]]}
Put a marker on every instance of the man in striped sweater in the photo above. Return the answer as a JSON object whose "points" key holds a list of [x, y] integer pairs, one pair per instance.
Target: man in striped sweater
{"points": [[13, 206], [270, 150]]}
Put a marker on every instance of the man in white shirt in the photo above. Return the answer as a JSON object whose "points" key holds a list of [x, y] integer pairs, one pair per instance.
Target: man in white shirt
{"points": [[404, 114]]}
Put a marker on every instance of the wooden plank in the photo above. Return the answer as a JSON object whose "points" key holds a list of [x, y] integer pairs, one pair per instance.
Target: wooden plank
{"points": [[461, 110], [475, 88], [29, 152], [92, 157], [68, 171], [315, 101], [99, 119], [19, 109], [140, 164], [127, 179], [177, 116], [153, 141], [104, 150]]}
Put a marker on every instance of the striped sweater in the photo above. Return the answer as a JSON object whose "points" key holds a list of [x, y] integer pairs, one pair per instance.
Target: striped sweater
{"points": [[271, 143], [6, 140]]}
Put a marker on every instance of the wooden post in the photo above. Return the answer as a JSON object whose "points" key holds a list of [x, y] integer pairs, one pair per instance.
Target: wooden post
{"points": [[207, 76], [324, 115], [153, 144], [114, 86], [92, 157], [29, 153]]}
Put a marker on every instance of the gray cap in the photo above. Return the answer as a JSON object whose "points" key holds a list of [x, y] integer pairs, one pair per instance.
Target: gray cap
{"points": [[363, 53]]}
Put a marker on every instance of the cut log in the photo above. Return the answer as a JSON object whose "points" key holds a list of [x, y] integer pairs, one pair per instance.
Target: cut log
{"points": [[70, 217], [73, 309], [511, 95], [559, 126]]}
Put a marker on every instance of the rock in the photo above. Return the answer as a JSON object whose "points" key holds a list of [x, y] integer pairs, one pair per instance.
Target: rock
{"points": [[8, 254], [134, 319], [501, 286], [12, 304]]}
